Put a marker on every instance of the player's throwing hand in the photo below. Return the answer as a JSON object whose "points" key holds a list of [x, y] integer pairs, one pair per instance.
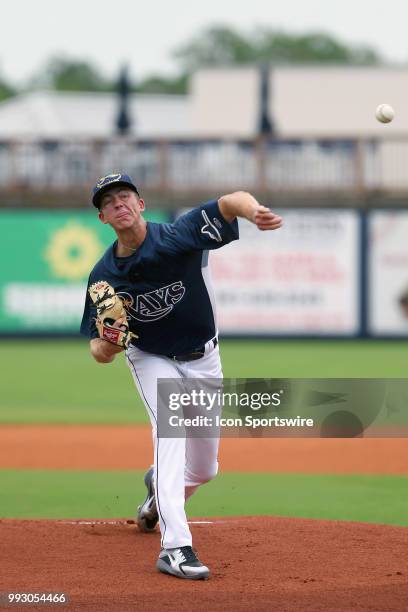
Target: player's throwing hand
{"points": [[265, 219]]}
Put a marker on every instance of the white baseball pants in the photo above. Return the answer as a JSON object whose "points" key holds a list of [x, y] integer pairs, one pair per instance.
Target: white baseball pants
{"points": [[180, 465]]}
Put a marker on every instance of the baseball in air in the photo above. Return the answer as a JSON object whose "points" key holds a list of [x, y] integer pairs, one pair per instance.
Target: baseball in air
{"points": [[384, 113]]}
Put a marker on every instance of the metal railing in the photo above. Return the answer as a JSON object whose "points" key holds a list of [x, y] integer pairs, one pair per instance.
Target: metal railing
{"points": [[350, 165]]}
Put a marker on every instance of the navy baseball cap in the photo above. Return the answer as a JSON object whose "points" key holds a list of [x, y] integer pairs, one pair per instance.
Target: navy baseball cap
{"points": [[111, 180]]}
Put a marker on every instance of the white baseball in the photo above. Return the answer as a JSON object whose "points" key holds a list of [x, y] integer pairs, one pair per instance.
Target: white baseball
{"points": [[384, 113]]}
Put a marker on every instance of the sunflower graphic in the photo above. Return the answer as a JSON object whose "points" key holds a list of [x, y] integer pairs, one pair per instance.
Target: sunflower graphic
{"points": [[72, 251]]}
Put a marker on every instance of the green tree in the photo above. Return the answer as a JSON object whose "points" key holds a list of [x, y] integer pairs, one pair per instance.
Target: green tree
{"points": [[220, 45], [158, 84], [216, 45], [6, 90], [313, 47], [64, 74]]}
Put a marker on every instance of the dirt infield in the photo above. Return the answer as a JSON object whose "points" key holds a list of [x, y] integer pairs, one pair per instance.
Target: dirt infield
{"points": [[108, 447], [259, 563]]}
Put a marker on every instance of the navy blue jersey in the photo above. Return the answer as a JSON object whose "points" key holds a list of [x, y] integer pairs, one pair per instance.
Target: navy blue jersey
{"points": [[165, 283]]}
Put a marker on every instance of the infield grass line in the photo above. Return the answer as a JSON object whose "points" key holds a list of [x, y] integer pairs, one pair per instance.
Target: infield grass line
{"points": [[32, 494]]}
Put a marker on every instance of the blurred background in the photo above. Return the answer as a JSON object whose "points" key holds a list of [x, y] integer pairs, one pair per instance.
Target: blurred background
{"points": [[193, 102], [277, 102]]}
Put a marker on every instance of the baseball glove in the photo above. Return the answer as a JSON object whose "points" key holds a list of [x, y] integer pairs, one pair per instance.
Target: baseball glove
{"points": [[111, 319]]}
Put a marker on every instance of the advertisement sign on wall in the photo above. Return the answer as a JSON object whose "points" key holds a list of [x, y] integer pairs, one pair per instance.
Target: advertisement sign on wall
{"points": [[47, 258], [388, 273], [302, 279]]}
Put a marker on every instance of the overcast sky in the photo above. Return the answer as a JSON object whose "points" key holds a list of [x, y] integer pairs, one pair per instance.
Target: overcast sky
{"points": [[144, 33]]}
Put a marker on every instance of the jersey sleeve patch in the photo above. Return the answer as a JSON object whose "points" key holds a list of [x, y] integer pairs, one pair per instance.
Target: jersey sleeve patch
{"points": [[202, 228], [210, 228]]}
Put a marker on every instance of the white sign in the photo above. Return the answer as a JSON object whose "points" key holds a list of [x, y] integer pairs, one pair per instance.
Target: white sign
{"points": [[388, 272], [38, 305], [300, 279]]}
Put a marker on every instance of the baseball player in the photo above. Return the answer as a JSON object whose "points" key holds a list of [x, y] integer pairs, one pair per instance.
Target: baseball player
{"points": [[150, 296]]}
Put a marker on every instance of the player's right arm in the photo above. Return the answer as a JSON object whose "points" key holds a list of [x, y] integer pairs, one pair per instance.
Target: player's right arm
{"points": [[103, 351], [243, 204]]}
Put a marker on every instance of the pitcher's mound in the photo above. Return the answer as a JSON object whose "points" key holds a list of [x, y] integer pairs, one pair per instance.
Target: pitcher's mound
{"points": [[256, 563]]}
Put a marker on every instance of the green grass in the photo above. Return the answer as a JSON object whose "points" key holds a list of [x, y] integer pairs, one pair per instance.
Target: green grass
{"points": [[315, 359], [67, 494], [57, 381]]}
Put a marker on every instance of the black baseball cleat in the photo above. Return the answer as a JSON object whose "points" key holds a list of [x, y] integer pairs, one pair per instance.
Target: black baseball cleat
{"points": [[183, 563], [147, 515]]}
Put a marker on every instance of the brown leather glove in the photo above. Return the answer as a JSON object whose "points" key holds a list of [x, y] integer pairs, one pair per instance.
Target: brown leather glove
{"points": [[111, 319]]}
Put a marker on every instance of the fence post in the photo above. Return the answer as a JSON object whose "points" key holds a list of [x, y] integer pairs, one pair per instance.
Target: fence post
{"points": [[261, 150], [163, 155], [359, 174]]}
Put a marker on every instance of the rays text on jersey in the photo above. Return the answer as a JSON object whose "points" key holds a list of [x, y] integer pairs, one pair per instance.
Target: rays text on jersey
{"points": [[155, 304]]}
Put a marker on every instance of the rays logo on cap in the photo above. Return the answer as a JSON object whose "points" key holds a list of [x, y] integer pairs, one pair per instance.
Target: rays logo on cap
{"points": [[105, 180], [119, 178]]}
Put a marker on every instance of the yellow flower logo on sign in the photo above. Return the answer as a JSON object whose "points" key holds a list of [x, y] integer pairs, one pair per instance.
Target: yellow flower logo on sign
{"points": [[72, 251]]}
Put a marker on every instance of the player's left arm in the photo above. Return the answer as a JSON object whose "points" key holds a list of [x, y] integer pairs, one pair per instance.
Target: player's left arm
{"points": [[243, 204]]}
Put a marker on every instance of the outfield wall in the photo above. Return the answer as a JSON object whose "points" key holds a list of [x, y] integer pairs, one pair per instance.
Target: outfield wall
{"points": [[46, 259], [337, 273]]}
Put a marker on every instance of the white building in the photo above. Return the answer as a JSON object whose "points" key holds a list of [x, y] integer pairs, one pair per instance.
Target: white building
{"points": [[305, 101], [322, 101], [55, 115]]}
